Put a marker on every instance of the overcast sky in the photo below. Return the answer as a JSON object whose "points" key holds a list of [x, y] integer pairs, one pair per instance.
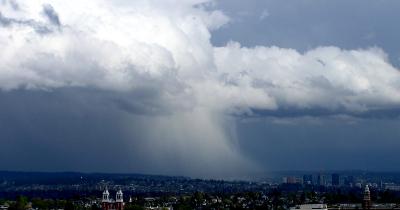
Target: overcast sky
{"points": [[199, 87]]}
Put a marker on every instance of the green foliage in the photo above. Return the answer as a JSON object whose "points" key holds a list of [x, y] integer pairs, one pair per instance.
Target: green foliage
{"points": [[199, 196], [40, 204], [20, 204]]}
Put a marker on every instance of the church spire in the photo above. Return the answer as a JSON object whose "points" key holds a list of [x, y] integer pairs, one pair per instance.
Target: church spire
{"points": [[367, 198], [119, 197], [106, 196]]}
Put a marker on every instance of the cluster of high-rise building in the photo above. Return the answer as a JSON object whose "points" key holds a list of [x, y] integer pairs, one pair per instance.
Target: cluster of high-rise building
{"points": [[321, 179]]}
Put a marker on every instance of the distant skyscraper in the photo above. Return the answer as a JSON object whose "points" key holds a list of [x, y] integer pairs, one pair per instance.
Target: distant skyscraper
{"points": [[307, 179], [349, 181], [284, 180], [321, 180], [335, 179], [291, 180]]}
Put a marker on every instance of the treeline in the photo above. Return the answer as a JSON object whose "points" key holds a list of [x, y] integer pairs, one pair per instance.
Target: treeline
{"points": [[23, 203]]}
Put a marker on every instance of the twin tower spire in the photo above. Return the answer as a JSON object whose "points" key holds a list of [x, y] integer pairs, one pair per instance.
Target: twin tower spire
{"points": [[106, 196]]}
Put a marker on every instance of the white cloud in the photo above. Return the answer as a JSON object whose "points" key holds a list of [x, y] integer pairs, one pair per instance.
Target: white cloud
{"points": [[165, 45], [105, 45], [325, 77]]}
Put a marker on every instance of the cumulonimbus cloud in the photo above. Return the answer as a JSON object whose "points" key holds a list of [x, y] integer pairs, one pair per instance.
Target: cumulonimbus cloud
{"points": [[160, 52], [111, 45]]}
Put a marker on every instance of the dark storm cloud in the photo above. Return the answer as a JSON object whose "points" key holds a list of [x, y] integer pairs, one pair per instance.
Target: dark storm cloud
{"points": [[387, 113], [217, 78], [5, 21], [12, 3], [51, 14], [50, 128], [84, 129], [144, 90], [39, 27]]}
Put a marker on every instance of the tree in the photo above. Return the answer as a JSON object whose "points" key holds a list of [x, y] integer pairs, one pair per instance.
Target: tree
{"points": [[69, 206], [95, 207], [20, 203], [39, 203]]}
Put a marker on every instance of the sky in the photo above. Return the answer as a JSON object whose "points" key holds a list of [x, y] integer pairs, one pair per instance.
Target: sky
{"points": [[200, 88]]}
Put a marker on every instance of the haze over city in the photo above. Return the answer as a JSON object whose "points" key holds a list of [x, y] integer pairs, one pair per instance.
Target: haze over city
{"points": [[199, 88]]}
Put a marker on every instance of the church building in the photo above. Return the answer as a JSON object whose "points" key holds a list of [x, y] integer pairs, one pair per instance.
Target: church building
{"points": [[110, 204]]}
